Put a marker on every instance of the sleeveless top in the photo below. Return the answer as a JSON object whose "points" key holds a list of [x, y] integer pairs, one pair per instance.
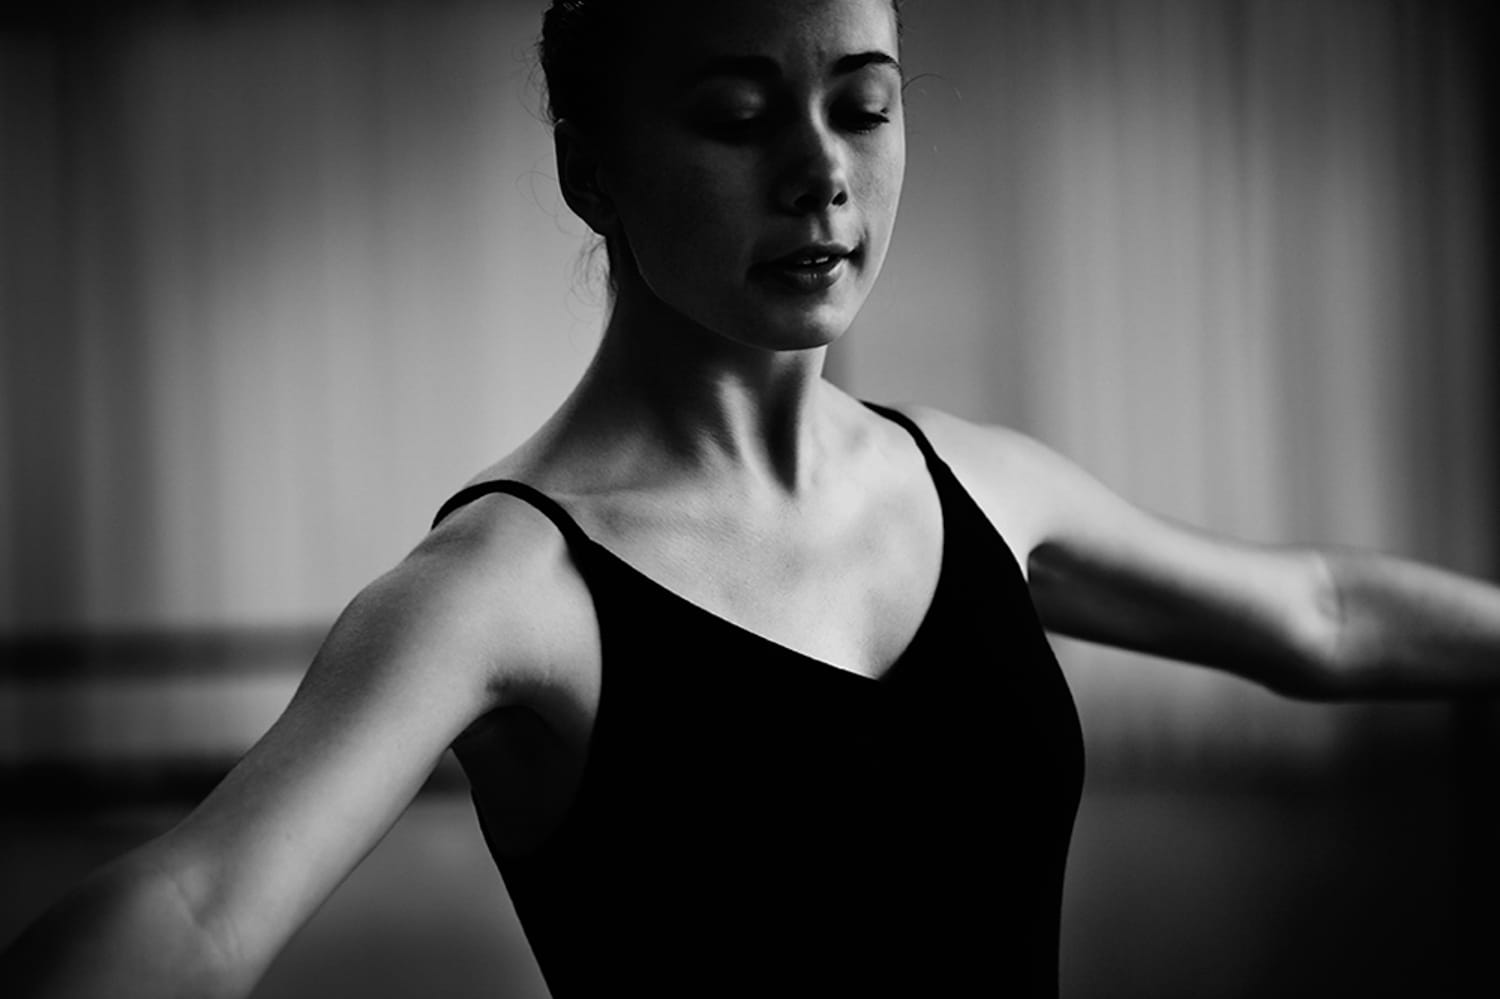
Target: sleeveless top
{"points": [[753, 821]]}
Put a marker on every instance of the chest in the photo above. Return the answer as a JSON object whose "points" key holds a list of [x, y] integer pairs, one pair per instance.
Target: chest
{"points": [[700, 725], [846, 582], [840, 602]]}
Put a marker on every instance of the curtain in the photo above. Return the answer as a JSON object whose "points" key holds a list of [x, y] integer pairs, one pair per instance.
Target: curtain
{"points": [[278, 278]]}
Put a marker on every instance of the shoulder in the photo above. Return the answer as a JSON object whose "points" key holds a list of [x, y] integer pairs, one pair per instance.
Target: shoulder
{"points": [[1017, 481], [494, 585], [986, 446]]}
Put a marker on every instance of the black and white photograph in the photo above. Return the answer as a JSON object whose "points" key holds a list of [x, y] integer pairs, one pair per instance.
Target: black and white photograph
{"points": [[573, 499]]}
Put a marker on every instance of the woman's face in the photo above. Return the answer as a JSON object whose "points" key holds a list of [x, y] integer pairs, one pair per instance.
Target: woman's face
{"points": [[753, 137]]}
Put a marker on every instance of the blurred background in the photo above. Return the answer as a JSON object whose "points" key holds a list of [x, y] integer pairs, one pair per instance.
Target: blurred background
{"points": [[276, 278]]}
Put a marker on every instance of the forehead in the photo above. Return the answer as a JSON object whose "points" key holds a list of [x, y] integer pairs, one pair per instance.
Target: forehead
{"points": [[799, 35]]}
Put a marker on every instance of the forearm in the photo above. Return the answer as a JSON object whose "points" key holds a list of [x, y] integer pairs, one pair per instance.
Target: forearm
{"points": [[1410, 630], [127, 931]]}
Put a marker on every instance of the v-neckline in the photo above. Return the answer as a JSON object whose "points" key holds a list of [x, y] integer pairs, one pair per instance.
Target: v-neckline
{"points": [[945, 557]]}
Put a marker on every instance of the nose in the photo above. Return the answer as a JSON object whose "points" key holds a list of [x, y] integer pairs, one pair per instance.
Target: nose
{"points": [[817, 174]]}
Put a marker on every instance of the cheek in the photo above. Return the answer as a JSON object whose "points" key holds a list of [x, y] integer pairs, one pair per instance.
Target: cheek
{"points": [[887, 176], [688, 215], [891, 172]]}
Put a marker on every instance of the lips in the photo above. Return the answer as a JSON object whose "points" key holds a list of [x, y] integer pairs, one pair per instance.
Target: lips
{"points": [[811, 255], [811, 268]]}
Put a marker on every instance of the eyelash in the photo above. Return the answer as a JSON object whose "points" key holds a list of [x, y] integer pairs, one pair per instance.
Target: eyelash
{"points": [[869, 121], [740, 129]]}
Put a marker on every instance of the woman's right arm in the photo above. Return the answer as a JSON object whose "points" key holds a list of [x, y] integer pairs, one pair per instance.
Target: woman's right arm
{"points": [[417, 657]]}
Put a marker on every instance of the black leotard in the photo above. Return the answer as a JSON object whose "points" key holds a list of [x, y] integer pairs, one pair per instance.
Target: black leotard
{"points": [[752, 821]]}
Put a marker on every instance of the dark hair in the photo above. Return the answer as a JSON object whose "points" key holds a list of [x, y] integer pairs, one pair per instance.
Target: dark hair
{"points": [[576, 56]]}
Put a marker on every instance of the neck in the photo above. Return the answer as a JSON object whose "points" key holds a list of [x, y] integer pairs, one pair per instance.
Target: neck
{"points": [[711, 404]]}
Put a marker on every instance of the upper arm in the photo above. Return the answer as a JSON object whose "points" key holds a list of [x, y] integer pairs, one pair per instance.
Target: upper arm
{"points": [[1104, 570], [417, 657]]}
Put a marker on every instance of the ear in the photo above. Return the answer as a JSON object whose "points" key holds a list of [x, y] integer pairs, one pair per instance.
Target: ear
{"points": [[580, 172]]}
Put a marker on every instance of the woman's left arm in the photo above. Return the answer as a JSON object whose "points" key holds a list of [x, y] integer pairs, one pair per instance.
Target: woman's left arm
{"points": [[1407, 629], [1322, 623]]}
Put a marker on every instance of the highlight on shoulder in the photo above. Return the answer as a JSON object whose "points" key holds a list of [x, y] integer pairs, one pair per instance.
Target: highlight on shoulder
{"points": [[1011, 476], [498, 570]]}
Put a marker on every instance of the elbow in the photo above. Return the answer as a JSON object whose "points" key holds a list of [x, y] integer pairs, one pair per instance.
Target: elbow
{"points": [[1318, 662], [126, 931]]}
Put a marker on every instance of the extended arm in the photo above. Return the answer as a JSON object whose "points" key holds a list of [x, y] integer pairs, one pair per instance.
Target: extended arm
{"points": [[201, 911], [1406, 629], [1309, 622]]}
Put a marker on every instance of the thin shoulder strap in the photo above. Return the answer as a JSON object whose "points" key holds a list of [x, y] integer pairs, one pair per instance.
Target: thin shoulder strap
{"points": [[911, 428], [546, 504]]}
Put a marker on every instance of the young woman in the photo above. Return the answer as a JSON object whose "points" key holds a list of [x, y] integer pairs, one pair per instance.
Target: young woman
{"points": [[749, 677]]}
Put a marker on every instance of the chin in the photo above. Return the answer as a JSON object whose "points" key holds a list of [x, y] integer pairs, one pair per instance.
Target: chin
{"points": [[803, 327], [781, 336]]}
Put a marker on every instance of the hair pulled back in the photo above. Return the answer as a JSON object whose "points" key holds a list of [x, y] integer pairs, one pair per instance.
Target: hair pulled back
{"points": [[580, 39]]}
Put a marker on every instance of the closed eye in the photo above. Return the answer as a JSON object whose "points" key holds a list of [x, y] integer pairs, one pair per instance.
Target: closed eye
{"points": [[741, 129], [867, 121]]}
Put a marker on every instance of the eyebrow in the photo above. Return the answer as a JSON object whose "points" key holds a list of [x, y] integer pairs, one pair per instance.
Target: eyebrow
{"points": [[765, 68], [859, 60]]}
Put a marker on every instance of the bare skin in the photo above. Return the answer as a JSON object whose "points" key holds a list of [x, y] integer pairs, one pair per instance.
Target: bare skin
{"points": [[704, 448]]}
